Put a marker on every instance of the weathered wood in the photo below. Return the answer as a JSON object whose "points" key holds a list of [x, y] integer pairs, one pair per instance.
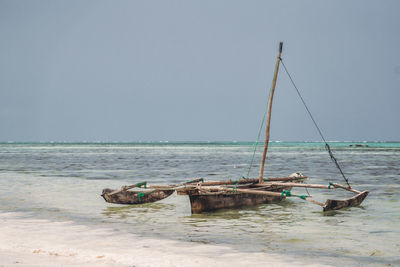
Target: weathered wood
{"points": [[315, 202], [303, 185], [271, 97], [273, 179], [333, 186], [203, 203], [332, 204], [254, 180], [158, 187], [258, 192], [210, 198], [297, 185], [127, 187], [135, 197], [207, 198], [346, 188], [196, 180], [192, 189]]}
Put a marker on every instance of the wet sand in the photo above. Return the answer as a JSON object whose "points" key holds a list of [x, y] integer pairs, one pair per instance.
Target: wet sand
{"points": [[36, 242]]}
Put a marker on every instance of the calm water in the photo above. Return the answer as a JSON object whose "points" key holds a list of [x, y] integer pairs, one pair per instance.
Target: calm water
{"points": [[63, 182]]}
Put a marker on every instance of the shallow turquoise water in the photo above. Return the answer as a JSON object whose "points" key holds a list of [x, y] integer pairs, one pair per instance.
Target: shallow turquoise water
{"points": [[63, 181]]}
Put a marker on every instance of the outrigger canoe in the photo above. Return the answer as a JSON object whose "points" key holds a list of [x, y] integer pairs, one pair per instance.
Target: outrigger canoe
{"points": [[207, 196]]}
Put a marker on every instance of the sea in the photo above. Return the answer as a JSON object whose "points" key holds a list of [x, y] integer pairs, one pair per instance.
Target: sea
{"points": [[62, 182]]}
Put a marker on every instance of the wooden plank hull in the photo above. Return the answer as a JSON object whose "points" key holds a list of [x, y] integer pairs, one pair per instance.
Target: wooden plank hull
{"points": [[211, 202], [332, 204], [135, 197]]}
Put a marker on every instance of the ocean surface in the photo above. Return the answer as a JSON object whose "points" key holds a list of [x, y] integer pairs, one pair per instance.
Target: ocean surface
{"points": [[62, 182]]}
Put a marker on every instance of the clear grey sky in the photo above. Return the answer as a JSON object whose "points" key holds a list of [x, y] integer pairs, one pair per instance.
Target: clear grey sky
{"points": [[197, 70]]}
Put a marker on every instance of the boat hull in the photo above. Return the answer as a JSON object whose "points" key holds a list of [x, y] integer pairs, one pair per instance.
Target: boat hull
{"points": [[210, 202], [332, 204], [135, 197]]}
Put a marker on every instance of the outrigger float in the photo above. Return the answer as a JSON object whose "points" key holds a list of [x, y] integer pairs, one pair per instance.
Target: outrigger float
{"points": [[208, 196]]}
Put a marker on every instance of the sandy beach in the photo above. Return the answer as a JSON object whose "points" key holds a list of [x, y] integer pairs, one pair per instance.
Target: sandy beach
{"points": [[37, 242]]}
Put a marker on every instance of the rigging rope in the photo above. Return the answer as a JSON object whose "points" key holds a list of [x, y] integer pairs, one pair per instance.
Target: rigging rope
{"points": [[316, 126], [256, 143], [287, 193]]}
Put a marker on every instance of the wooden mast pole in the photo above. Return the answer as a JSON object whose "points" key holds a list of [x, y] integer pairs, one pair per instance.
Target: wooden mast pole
{"points": [[271, 97]]}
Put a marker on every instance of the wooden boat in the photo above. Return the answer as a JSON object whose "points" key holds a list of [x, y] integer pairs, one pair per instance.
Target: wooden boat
{"points": [[135, 197], [214, 195], [202, 200], [156, 193], [332, 204], [262, 192], [205, 201], [210, 196]]}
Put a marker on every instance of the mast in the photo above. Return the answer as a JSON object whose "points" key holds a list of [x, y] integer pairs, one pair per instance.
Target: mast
{"points": [[271, 97]]}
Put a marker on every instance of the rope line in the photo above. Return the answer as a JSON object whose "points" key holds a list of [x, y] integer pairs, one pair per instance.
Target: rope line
{"points": [[316, 126], [287, 193], [258, 141]]}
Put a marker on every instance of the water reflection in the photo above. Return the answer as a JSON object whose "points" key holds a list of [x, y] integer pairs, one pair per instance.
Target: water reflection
{"points": [[126, 211]]}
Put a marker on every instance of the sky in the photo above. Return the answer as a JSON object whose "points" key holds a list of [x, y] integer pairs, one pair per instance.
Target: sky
{"points": [[198, 70]]}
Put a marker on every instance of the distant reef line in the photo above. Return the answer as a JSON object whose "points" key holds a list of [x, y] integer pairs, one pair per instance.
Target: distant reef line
{"points": [[354, 144]]}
